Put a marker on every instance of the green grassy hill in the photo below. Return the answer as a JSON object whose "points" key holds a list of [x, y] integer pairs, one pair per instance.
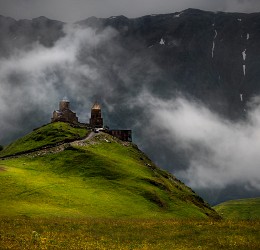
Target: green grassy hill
{"points": [[47, 135], [244, 209], [101, 177]]}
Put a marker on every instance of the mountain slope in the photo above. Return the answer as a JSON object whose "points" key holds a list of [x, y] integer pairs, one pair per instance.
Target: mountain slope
{"points": [[96, 177], [211, 56], [245, 209]]}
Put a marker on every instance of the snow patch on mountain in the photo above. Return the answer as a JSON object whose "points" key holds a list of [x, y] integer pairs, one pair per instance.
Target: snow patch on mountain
{"points": [[177, 15], [162, 42], [213, 48], [216, 34], [244, 55], [213, 44]]}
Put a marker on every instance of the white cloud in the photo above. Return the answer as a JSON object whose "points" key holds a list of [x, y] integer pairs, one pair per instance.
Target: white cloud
{"points": [[36, 79], [247, 6], [221, 152]]}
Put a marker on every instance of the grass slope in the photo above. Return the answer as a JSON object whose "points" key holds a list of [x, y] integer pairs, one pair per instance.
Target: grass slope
{"points": [[243, 209], [100, 178], [49, 134]]}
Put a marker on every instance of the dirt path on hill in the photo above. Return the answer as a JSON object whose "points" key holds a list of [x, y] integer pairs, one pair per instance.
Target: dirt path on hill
{"points": [[82, 142]]}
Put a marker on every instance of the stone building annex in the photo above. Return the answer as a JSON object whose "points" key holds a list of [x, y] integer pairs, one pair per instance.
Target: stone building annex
{"points": [[64, 114]]}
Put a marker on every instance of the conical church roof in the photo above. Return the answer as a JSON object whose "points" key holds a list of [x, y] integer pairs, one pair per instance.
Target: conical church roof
{"points": [[96, 106]]}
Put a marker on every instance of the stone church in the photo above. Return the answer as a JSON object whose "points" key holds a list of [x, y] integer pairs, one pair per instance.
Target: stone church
{"points": [[64, 114]]}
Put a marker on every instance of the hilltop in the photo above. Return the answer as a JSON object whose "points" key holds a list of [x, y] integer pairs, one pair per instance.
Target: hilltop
{"points": [[44, 137], [242, 209], [45, 174]]}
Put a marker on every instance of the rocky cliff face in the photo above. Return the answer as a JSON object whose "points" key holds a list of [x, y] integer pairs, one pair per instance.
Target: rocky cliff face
{"points": [[212, 56]]}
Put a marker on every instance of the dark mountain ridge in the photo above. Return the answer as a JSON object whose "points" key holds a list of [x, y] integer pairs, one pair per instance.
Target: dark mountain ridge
{"points": [[199, 52]]}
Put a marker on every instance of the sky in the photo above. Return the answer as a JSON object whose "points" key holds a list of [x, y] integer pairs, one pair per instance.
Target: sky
{"points": [[72, 11]]}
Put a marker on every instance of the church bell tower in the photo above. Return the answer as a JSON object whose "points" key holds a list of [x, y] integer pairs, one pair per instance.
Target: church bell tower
{"points": [[96, 120]]}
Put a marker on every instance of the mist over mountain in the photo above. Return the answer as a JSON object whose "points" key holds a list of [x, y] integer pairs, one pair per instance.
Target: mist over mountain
{"points": [[186, 83]]}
